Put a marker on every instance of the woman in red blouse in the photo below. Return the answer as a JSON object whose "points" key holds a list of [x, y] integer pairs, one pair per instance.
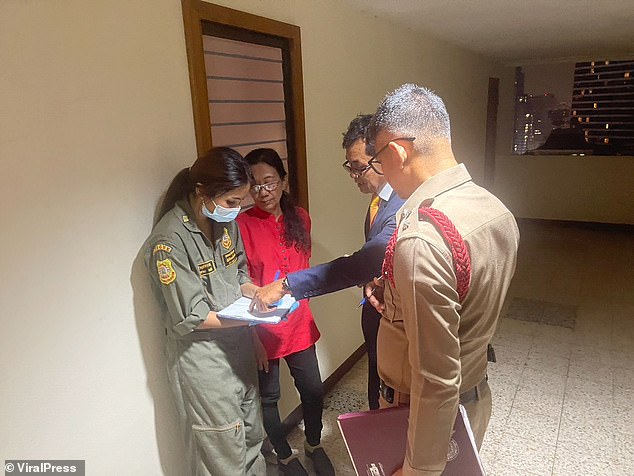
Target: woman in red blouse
{"points": [[276, 236]]}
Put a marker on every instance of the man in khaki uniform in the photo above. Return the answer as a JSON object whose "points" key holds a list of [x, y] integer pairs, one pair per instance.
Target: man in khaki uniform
{"points": [[432, 343]]}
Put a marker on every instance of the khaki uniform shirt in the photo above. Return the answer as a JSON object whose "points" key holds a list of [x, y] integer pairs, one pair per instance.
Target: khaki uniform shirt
{"points": [[192, 274], [429, 345]]}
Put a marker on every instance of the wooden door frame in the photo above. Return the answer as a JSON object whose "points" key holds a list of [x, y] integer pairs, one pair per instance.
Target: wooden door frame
{"points": [[490, 143], [195, 12]]}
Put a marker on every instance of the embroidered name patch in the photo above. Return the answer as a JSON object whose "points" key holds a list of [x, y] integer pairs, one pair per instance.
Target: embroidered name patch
{"points": [[230, 258], [206, 268], [161, 247], [166, 272]]}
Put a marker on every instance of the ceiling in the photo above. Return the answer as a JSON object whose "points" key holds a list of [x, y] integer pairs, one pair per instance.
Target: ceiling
{"points": [[515, 31]]}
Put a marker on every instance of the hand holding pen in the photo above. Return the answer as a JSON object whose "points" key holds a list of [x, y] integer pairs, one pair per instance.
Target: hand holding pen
{"points": [[374, 294], [267, 297]]}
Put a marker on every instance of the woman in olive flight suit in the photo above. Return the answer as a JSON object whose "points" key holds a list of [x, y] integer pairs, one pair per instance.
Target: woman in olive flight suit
{"points": [[197, 263]]}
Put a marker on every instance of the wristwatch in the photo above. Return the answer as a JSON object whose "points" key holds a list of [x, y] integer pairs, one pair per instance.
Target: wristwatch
{"points": [[285, 287]]}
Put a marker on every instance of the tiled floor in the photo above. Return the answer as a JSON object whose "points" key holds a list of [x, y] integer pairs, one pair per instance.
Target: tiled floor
{"points": [[562, 397]]}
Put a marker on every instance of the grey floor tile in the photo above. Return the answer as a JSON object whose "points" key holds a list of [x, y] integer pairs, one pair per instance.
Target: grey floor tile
{"points": [[533, 426], [593, 371], [512, 326], [623, 396], [589, 355], [596, 433], [573, 459], [551, 346], [580, 388], [623, 419], [501, 469], [624, 378], [558, 334], [525, 454], [622, 460], [543, 381], [547, 362], [623, 358], [540, 403]]}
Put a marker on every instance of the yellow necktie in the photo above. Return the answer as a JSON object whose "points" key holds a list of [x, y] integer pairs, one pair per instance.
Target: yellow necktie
{"points": [[374, 208]]}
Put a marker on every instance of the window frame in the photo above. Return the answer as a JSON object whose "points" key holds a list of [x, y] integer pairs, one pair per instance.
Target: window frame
{"points": [[198, 12]]}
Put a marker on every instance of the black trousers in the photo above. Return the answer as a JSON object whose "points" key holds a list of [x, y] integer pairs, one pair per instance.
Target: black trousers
{"points": [[370, 325], [305, 372]]}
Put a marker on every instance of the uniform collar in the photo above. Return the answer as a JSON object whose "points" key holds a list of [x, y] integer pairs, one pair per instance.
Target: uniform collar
{"points": [[386, 192], [185, 215], [435, 186]]}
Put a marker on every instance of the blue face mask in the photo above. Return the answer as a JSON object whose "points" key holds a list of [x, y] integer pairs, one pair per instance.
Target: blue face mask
{"points": [[220, 213]]}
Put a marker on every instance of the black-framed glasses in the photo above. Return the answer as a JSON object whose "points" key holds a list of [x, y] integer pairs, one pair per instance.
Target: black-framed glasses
{"points": [[356, 172], [375, 164], [269, 187]]}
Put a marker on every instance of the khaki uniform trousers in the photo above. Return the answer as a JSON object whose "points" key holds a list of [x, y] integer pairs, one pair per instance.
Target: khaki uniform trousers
{"points": [[215, 386]]}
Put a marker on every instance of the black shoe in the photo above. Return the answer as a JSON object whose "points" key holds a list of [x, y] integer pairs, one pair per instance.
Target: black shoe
{"points": [[321, 462], [291, 468]]}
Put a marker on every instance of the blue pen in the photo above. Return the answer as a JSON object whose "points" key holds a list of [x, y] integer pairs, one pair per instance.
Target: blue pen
{"points": [[277, 276], [365, 299]]}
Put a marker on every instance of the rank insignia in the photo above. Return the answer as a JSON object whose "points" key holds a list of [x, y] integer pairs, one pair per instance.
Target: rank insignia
{"points": [[166, 272], [162, 247], [226, 240], [185, 218]]}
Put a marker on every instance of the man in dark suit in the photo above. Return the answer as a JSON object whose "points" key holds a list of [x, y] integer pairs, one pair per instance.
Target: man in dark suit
{"points": [[364, 264]]}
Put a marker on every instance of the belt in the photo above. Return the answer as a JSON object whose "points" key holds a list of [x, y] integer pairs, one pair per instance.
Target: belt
{"points": [[465, 397], [474, 393]]}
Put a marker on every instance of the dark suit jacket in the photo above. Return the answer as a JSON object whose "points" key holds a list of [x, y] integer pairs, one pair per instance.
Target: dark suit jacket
{"points": [[356, 269]]}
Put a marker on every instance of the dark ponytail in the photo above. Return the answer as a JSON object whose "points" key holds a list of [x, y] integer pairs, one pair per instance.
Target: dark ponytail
{"points": [[295, 233], [218, 171], [175, 192]]}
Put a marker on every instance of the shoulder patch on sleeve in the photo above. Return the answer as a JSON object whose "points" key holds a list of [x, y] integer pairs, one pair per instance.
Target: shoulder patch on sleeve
{"points": [[166, 272], [162, 247]]}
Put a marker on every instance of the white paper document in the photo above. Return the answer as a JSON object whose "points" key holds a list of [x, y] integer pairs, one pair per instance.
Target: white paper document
{"points": [[239, 310]]}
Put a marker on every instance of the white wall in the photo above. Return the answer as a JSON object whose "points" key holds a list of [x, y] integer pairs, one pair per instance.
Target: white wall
{"points": [[558, 187], [95, 121]]}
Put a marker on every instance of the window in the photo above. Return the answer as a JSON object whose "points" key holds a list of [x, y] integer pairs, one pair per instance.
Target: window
{"points": [[246, 81], [590, 112]]}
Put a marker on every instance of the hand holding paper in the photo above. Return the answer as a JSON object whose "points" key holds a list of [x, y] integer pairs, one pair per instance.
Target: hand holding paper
{"points": [[241, 310], [267, 296]]}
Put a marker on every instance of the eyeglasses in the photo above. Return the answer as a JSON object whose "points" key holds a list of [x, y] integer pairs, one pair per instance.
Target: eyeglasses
{"points": [[356, 173], [375, 164], [269, 187]]}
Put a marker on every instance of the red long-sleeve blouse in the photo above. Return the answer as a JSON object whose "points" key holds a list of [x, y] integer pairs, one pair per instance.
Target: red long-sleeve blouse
{"points": [[263, 237]]}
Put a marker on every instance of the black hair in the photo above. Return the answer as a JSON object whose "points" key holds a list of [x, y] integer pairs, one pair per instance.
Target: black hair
{"points": [[357, 129], [295, 232], [218, 171]]}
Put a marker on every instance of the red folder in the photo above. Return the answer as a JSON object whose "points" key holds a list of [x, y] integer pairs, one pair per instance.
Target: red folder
{"points": [[376, 441]]}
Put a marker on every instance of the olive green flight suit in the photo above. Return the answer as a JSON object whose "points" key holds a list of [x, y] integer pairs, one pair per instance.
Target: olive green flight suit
{"points": [[213, 372]]}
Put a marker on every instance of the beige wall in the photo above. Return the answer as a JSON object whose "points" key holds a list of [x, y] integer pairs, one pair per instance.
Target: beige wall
{"points": [[95, 121], [594, 189]]}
